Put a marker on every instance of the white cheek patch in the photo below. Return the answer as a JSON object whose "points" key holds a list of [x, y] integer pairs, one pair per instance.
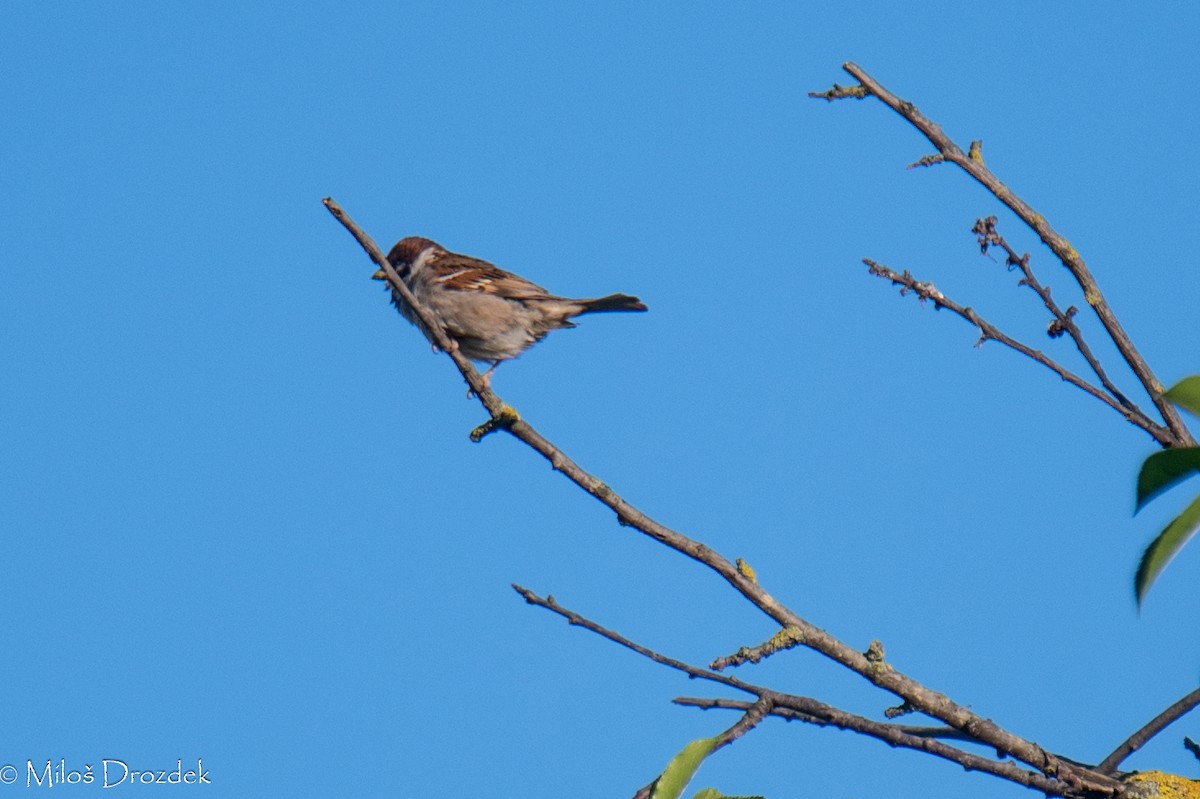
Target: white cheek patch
{"points": [[422, 261]]}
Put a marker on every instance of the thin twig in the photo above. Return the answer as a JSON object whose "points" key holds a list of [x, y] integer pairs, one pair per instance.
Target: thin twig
{"points": [[549, 603], [1179, 434], [758, 710], [915, 730], [754, 713], [880, 674], [786, 638], [1064, 321], [927, 291], [1153, 727]]}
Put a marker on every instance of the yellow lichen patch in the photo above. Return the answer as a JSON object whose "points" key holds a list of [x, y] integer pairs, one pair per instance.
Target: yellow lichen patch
{"points": [[1168, 786], [786, 638], [746, 571], [507, 418]]}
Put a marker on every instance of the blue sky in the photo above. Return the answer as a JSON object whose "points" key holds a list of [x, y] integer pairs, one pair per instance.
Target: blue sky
{"points": [[241, 517]]}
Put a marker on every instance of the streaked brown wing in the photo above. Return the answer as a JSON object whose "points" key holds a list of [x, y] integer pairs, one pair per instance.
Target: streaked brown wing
{"points": [[464, 273]]}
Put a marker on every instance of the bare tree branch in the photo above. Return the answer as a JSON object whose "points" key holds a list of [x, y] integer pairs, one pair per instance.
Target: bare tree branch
{"points": [[974, 166], [1153, 727], [1072, 780], [928, 291], [879, 673]]}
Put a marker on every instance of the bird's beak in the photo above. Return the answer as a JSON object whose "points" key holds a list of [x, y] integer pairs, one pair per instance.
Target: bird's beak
{"points": [[379, 275]]}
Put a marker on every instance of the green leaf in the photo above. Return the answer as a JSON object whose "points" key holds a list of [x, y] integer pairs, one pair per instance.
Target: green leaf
{"points": [[1162, 549], [1164, 469], [713, 793], [680, 770], [1186, 394]]}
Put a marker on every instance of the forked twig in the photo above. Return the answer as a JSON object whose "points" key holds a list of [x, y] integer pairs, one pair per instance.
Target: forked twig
{"points": [[1064, 321]]}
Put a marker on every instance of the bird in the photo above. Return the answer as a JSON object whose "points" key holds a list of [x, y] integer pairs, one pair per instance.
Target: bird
{"points": [[489, 314]]}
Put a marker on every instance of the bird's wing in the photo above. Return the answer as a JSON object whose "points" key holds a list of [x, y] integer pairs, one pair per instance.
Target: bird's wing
{"points": [[464, 273]]}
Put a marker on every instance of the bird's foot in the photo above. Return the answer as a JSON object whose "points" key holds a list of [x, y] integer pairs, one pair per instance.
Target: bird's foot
{"points": [[487, 381]]}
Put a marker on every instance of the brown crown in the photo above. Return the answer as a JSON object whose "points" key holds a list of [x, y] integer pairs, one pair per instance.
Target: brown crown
{"points": [[406, 250]]}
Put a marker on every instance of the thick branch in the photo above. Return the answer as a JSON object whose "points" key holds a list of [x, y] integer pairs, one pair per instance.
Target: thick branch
{"points": [[1180, 436], [1153, 727], [878, 673]]}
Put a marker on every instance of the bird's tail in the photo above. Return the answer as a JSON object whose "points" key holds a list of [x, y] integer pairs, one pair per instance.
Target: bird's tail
{"points": [[613, 302]]}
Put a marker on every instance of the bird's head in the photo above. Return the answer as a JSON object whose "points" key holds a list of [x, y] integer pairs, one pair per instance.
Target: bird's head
{"points": [[406, 252]]}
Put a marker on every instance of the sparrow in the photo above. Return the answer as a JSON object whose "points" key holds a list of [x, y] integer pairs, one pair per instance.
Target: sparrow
{"points": [[491, 315]]}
